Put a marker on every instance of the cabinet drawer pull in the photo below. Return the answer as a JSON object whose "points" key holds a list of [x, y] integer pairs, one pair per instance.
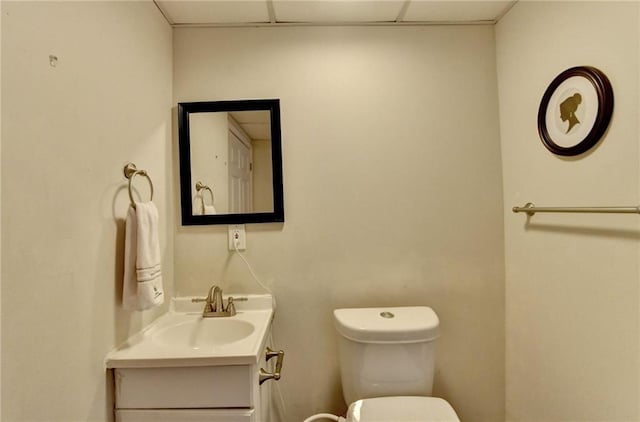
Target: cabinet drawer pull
{"points": [[275, 375]]}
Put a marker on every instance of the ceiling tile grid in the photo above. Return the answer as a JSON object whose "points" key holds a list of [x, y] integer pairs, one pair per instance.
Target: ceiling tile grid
{"points": [[317, 12]]}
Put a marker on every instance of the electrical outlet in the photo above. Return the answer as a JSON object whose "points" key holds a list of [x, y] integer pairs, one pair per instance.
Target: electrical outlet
{"points": [[239, 236]]}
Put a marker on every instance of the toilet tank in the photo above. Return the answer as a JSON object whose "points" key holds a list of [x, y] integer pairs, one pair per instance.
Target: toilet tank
{"points": [[386, 351]]}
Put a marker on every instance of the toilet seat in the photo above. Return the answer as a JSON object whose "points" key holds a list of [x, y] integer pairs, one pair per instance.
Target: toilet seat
{"points": [[401, 409]]}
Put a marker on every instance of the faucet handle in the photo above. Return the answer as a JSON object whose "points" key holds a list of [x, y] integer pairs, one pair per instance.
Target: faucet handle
{"points": [[198, 299], [231, 308]]}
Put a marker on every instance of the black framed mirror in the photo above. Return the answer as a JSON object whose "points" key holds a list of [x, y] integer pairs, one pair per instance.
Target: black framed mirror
{"points": [[230, 162]]}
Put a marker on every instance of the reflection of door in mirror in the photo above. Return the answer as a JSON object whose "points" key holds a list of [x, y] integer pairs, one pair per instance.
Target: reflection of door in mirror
{"points": [[240, 178], [253, 173]]}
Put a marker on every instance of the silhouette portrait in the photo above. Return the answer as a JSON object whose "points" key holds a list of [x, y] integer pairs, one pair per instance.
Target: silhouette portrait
{"points": [[568, 110]]}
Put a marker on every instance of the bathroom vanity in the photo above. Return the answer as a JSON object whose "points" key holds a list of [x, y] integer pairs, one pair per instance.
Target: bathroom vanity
{"points": [[188, 368]]}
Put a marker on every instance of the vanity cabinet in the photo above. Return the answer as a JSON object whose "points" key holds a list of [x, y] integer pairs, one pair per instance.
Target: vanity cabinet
{"points": [[186, 368], [184, 415], [192, 394]]}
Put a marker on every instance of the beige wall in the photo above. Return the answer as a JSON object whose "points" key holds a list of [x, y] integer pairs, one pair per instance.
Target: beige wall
{"points": [[393, 196], [571, 280], [1, 11], [66, 137], [209, 140]]}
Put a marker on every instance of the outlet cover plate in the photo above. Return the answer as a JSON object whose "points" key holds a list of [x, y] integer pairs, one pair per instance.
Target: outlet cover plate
{"points": [[237, 231]]}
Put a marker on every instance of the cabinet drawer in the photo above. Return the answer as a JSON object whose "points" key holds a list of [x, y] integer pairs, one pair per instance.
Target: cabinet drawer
{"points": [[185, 415], [180, 388]]}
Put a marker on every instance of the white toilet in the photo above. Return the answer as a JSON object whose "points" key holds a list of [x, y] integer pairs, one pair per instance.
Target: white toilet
{"points": [[387, 358]]}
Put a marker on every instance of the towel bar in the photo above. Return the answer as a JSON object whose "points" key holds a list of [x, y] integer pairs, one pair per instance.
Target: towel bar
{"points": [[131, 171], [530, 209]]}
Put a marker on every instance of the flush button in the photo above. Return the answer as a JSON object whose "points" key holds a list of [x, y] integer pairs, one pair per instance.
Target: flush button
{"points": [[386, 315]]}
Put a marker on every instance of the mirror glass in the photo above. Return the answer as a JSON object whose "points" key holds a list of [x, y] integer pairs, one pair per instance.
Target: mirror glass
{"points": [[230, 162]]}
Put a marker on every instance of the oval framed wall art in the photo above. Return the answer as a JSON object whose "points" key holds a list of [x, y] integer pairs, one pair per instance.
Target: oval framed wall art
{"points": [[575, 111]]}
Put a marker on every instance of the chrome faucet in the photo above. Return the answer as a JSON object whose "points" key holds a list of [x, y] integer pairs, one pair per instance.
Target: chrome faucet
{"points": [[214, 300], [214, 304]]}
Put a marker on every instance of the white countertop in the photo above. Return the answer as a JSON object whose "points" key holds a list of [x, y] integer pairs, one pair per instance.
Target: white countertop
{"points": [[143, 350]]}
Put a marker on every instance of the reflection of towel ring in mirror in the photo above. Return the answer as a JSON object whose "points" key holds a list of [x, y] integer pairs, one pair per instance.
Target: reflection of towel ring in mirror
{"points": [[130, 171], [200, 186]]}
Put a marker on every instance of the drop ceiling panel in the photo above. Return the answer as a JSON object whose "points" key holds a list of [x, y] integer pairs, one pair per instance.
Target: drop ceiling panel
{"points": [[214, 12], [242, 12], [337, 10], [455, 11]]}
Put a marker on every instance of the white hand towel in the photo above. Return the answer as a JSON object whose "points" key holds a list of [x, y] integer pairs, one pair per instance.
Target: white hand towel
{"points": [[130, 284], [200, 208], [142, 273], [198, 205]]}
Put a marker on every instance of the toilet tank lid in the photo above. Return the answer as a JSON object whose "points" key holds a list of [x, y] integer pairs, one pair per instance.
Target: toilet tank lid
{"points": [[409, 324]]}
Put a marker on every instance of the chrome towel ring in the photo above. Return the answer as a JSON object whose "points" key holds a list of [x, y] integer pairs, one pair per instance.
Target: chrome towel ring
{"points": [[201, 186], [131, 171]]}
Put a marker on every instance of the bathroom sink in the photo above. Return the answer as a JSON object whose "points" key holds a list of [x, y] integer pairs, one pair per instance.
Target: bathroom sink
{"points": [[197, 332], [182, 337]]}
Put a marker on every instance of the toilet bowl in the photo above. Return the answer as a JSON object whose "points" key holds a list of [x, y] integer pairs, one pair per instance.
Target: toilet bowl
{"points": [[387, 360]]}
